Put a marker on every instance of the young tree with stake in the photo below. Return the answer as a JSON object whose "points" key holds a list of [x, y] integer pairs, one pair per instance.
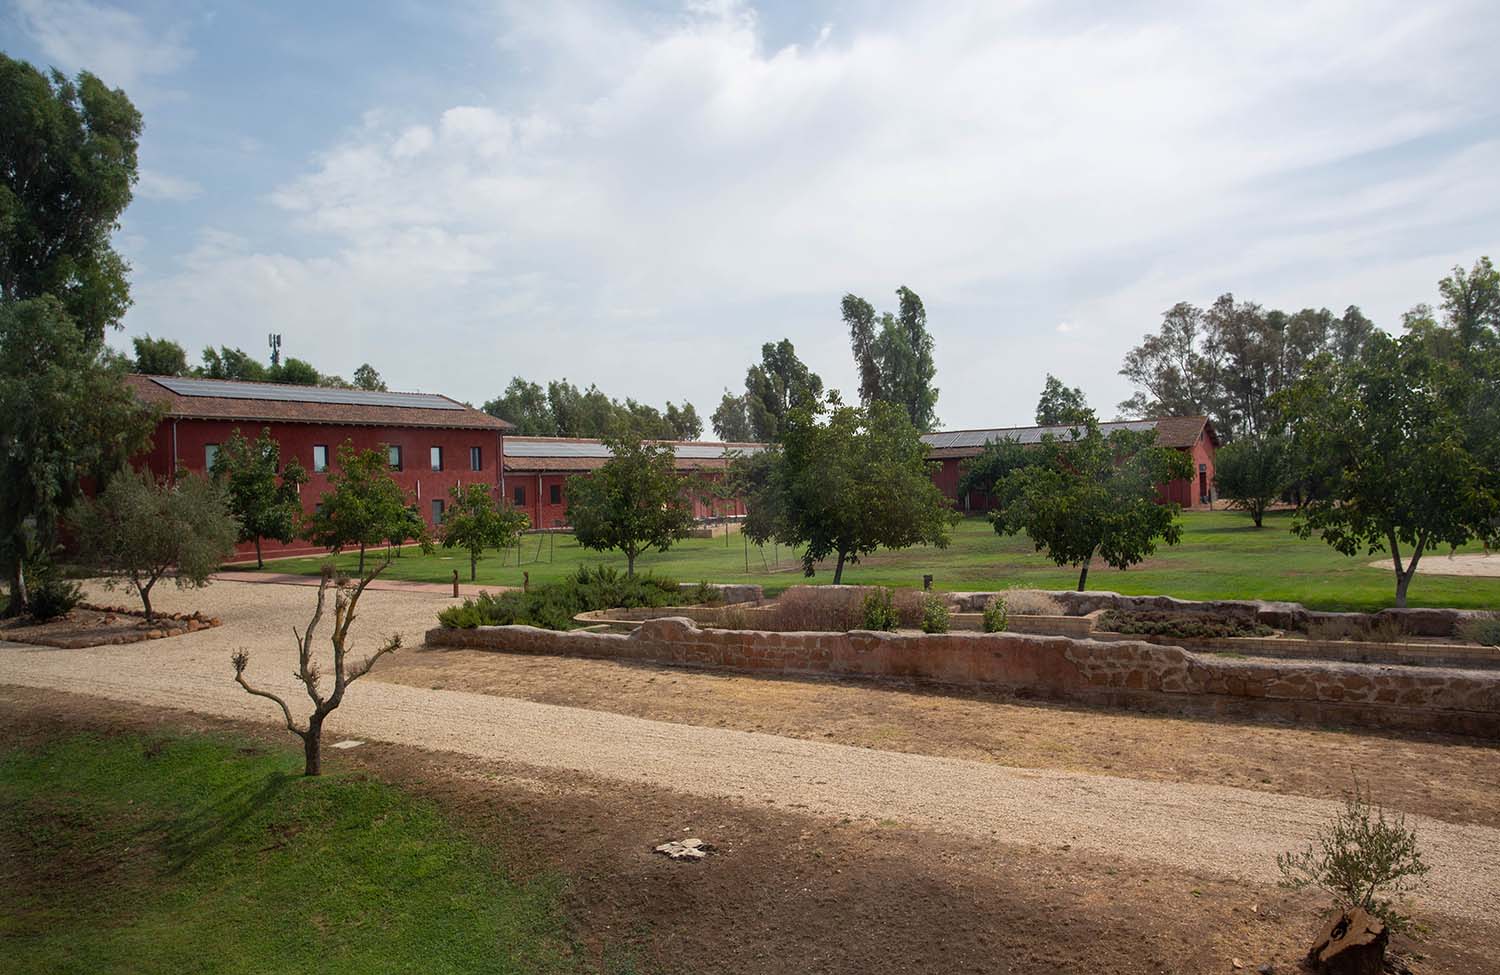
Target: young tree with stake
{"points": [[635, 502], [475, 522]]}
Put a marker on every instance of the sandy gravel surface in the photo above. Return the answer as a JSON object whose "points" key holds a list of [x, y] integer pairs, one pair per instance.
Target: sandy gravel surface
{"points": [[1231, 832], [1474, 564]]}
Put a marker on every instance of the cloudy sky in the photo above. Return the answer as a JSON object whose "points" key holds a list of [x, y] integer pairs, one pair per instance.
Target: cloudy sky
{"points": [[639, 195]]}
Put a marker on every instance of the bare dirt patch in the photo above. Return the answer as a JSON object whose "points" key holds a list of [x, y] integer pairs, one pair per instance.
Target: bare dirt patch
{"points": [[1480, 564], [1448, 778], [89, 625], [790, 892]]}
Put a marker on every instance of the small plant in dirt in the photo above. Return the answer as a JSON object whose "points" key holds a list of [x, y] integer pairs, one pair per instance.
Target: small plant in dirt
{"points": [[934, 614], [707, 594], [1363, 858], [1203, 626], [1483, 630], [346, 596], [880, 611], [52, 596], [1363, 630], [996, 615], [553, 606]]}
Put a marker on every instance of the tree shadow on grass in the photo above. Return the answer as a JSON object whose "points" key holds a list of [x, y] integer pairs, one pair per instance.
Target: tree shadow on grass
{"points": [[211, 824]]}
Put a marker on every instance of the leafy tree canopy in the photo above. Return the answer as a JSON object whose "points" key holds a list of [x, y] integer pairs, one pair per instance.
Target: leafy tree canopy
{"points": [[158, 357], [894, 359], [363, 506], [67, 167], [732, 419], [1061, 404], [1088, 496], [775, 386], [475, 522], [1253, 473], [65, 414], [1398, 444], [139, 528], [563, 410], [367, 378], [843, 482], [262, 494], [635, 502]]}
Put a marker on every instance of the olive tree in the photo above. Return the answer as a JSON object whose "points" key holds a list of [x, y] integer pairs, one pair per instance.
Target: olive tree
{"points": [[1088, 495], [138, 529], [309, 673], [843, 482], [635, 502], [475, 522]]}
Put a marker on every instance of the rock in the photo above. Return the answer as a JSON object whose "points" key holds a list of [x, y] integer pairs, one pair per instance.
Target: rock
{"points": [[689, 849], [1351, 943], [1236, 964], [1266, 968]]}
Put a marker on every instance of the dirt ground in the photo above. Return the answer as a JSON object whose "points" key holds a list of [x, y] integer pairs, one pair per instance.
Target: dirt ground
{"points": [[1452, 779], [787, 892], [91, 626]]}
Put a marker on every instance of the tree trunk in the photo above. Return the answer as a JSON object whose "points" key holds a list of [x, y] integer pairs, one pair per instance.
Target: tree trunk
{"points": [[629, 562], [17, 604], [260, 563], [1083, 577], [473, 565], [361, 559], [1402, 581], [838, 570], [1256, 513], [145, 592], [312, 753]]}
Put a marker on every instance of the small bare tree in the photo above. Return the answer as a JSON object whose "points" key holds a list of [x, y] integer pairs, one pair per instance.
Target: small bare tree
{"points": [[345, 601]]}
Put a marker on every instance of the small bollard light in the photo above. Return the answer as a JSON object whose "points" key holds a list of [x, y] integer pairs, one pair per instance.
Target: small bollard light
{"points": [[927, 582], [455, 583]]}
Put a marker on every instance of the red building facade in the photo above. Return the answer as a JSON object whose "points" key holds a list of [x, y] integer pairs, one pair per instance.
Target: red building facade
{"points": [[537, 471], [434, 443], [1193, 435]]}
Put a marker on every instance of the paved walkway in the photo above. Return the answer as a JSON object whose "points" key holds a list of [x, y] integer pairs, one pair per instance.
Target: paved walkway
{"points": [[1230, 832]]}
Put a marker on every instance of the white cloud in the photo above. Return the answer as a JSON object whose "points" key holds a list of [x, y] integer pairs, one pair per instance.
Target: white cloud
{"points": [[113, 43], [155, 185], [1014, 166]]}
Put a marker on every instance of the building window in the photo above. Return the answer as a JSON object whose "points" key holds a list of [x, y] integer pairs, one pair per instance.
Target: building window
{"points": [[476, 459], [320, 458], [437, 511], [210, 454], [437, 458], [393, 457], [556, 494], [520, 495]]}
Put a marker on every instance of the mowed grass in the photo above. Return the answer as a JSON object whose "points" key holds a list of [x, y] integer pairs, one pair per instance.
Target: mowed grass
{"points": [[187, 854], [1221, 556]]}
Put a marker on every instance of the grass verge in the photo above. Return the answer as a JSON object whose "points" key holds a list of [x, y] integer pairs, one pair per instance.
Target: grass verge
{"points": [[187, 854]]}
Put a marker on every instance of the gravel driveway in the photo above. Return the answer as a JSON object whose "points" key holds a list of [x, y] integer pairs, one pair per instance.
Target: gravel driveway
{"points": [[1231, 832]]}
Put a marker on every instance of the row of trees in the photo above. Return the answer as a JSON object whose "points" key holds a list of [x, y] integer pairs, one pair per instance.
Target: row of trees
{"points": [[561, 409], [164, 357]]}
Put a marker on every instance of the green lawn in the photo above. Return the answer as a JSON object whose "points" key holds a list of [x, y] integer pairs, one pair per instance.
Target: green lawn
{"points": [[188, 854], [1222, 556]]}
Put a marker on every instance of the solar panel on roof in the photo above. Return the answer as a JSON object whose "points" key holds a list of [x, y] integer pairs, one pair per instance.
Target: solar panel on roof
{"points": [[222, 389], [960, 439], [574, 448]]}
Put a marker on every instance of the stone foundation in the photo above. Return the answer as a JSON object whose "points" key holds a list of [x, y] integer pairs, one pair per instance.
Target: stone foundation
{"points": [[1122, 673]]}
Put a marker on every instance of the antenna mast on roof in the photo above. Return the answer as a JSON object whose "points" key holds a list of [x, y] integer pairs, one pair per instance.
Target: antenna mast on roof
{"points": [[275, 350]]}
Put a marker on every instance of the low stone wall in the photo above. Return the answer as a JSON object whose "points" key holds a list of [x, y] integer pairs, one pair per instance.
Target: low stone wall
{"points": [[1277, 615], [1458, 655], [1124, 673]]}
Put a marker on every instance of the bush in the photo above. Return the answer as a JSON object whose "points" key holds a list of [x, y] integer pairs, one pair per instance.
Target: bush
{"points": [[553, 606], [996, 615], [1362, 858], [707, 594], [1148, 622], [1033, 602], [1483, 630], [880, 611], [52, 596], [1365, 630], [934, 614]]}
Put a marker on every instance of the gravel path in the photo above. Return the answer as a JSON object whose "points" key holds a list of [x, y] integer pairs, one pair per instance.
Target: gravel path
{"points": [[1230, 832]]}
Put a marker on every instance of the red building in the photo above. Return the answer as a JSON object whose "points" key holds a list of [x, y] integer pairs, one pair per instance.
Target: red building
{"points": [[1193, 435], [537, 471], [434, 443]]}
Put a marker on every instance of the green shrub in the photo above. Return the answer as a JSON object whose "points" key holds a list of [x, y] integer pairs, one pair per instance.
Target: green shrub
{"points": [[880, 611], [1150, 622], [1483, 630], [706, 594], [554, 605], [1362, 859], [52, 596], [996, 616], [934, 614]]}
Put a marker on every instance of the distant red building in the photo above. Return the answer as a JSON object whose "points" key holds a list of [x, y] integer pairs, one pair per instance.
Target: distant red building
{"points": [[434, 443], [537, 471], [1193, 435]]}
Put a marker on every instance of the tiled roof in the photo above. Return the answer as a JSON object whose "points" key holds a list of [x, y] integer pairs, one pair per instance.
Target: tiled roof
{"points": [[535, 455], [220, 399], [1171, 431]]}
